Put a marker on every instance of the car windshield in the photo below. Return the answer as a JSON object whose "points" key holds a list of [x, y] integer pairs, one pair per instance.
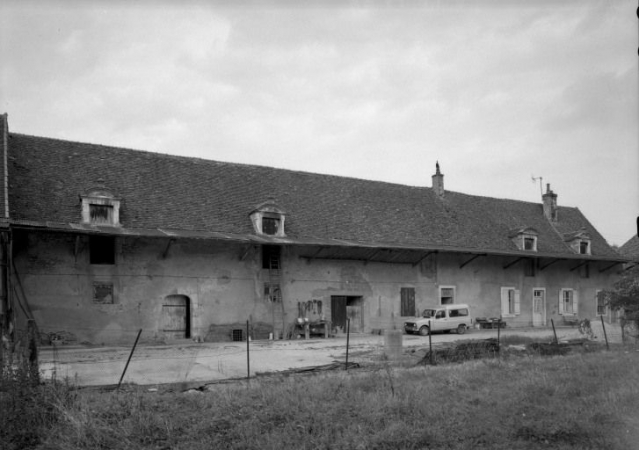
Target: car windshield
{"points": [[429, 313]]}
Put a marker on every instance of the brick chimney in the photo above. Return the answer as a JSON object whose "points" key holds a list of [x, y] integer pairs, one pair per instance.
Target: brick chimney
{"points": [[550, 204], [438, 182]]}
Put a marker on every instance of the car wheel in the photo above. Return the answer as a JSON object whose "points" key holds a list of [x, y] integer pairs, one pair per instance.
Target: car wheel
{"points": [[423, 331], [461, 329]]}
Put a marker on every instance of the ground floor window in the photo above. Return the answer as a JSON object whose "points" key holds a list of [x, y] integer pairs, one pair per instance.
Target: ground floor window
{"points": [[600, 301], [407, 299], [568, 302], [510, 302], [447, 295]]}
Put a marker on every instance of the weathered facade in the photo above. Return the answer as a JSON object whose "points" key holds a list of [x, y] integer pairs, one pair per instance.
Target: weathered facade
{"points": [[101, 242]]}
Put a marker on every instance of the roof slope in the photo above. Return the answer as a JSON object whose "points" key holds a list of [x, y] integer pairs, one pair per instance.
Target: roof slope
{"points": [[162, 191], [631, 248]]}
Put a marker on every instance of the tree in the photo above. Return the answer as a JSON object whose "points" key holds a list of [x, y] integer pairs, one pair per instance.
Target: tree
{"points": [[625, 293]]}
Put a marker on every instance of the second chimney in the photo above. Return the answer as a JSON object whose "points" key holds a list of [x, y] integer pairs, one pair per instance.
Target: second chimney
{"points": [[438, 182], [550, 204]]}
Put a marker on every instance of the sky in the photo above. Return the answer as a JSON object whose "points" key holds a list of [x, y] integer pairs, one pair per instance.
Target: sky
{"points": [[497, 91]]}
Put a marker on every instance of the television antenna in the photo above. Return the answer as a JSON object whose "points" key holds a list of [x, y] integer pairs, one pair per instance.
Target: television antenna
{"points": [[541, 182]]}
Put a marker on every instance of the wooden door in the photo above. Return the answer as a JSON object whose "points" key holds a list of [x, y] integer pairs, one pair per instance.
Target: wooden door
{"points": [[338, 312], [539, 308], [354, 313], [175, 317]]}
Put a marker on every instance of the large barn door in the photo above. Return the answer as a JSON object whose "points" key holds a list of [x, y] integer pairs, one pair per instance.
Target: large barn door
{"points": [[176, 317]]}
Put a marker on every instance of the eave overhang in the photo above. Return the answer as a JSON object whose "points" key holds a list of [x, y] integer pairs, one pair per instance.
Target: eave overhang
{"points": [[313, 248]]}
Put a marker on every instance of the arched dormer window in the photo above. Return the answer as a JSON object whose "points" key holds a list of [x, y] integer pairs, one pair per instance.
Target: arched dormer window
{"points": [[100, 207], [524, 238], [579, 241], [268, 218]]}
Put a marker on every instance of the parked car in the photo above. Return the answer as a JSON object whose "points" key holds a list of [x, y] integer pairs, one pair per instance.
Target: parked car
{"points": [[441, 318]]}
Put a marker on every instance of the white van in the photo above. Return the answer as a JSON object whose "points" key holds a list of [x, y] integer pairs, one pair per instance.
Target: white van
{"points": [[441, 318]]}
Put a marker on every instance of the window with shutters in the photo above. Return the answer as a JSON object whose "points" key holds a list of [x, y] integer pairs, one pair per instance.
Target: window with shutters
{"points": [[600, 301], [568, 303], [510, 302], [407, 298], [447, 295]]}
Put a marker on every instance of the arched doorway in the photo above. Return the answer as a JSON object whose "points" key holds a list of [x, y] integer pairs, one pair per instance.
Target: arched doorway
{"points": [[176, 316]]}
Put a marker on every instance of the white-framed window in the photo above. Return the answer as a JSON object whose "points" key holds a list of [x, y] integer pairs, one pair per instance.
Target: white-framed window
{"points": [[510, 302], [100, 207], [568, 302], [268, 219], [524, 238], [446, 295]]}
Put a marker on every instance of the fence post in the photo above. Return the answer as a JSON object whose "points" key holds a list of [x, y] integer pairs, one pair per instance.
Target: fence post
{"points": [[32, 351], [248, 357], [552, 322], [605, 334], [129, 360], [499, 335], [348, 335], [622, 323], [430, 342]]}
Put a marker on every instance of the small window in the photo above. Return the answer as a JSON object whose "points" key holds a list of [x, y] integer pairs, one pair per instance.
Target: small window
{"points": [[272, 292], [102, 250], [529, 268], [447, 295], [440, 315], [271, 257], [530, 243], [270, 225], [103, 293], [407, 299], [584, 247], [458, 312], [101, 214]]}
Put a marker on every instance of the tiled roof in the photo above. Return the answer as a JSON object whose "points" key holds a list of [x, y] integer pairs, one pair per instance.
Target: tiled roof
{"points": [[170, 192], [631, 248]]}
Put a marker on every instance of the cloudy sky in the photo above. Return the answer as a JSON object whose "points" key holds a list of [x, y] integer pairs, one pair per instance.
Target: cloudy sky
{"points": [[496, 91]]}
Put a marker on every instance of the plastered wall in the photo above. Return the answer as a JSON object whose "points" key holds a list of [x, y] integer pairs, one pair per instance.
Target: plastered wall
{"points": [[224, 284]]}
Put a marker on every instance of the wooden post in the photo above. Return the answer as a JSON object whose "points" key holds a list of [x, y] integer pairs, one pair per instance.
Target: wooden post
{"points": [[499, 334], [130, 355], [248, 358], [32, 351], [348, 335], [430, 342], [605, 334], [552, 322]]}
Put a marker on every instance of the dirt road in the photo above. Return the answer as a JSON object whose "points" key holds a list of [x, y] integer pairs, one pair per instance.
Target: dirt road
{"points": [[188, 362]]}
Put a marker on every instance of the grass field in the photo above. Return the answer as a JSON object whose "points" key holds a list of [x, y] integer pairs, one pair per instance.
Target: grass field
{"points": [[580, 401]]}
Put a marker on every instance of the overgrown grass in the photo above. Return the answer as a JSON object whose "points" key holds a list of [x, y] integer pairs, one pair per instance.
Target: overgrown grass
{"points": [[29, 408], [581, 401]]}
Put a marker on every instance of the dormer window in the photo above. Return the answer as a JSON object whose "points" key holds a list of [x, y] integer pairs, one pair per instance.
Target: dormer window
{"points": [[584, 248], [579, 241], [101, 214], [530, 243], [268, 219], [270, 225], [524, 238], [100, 207]]}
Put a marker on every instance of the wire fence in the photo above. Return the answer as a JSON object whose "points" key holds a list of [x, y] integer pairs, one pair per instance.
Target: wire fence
{"points": [[189, 362]]}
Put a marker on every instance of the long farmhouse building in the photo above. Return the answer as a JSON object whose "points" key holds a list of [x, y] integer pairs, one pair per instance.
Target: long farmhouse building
{"points": [[100, 242]]}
